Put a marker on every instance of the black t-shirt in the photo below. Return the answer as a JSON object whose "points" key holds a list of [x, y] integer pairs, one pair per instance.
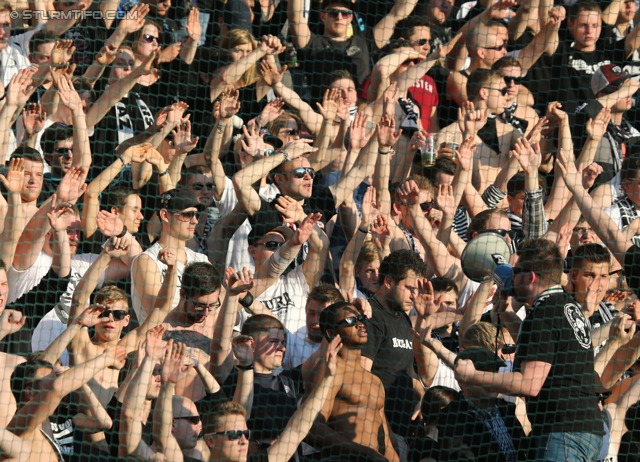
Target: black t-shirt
{"points": [[111, 435], [274, 402], [260, 456], [321, 201], [566, 75], [390, 346], [556, 332], [322, 56]]}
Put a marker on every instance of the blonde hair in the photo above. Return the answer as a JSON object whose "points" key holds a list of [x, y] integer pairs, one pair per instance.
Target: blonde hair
{"points": [[5, 6], [234, 38], [214, 417], [482, 334], [368, 253], [110, 295]]}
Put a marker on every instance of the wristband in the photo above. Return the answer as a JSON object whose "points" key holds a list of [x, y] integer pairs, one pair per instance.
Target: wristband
{"points": [[365, 231], [119, 156], [383, 153], [286, 156], [3, 97], [163, 173], [245, 368], [247, 300], [122, 234]]}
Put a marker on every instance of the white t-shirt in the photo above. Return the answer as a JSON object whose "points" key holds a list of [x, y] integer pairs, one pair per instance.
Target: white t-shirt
{"points": [[287, 299], [299, 349], [445, 377], [48, 329], [238, 254], [153, 253], [21, 282]]}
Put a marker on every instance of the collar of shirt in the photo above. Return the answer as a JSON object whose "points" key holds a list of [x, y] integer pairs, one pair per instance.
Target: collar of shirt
{"points": [[557, 289]]}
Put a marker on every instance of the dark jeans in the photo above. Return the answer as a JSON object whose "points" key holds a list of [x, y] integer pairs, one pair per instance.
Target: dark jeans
{"points": [[568, 447]]}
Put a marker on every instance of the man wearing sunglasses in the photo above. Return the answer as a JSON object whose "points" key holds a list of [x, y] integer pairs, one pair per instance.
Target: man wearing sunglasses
{"points": [[179, 213], [199, 180], [335, 49], [356, 392], [554, 360]]}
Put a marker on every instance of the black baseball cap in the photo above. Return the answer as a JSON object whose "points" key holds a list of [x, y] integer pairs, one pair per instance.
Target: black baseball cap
{"points": [[483, 359], [259, 230], [178, 199], [236, 14]]}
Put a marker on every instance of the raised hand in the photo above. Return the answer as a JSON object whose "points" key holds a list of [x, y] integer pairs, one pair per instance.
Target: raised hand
{"points": [[72, 185], [137, 153], [270, 73], [358, 134], [298, 148], [563, 238], [14, 176], [62, 52], [290, 209], [389, 98], [331, 356], [169, 53], [16, 93], [370, 209], [623, 329], [380, 233], [471, 120], [107, 55], [272, 110], [194, 29], [182, 140], [572, 178], [423, 301], [409, 192], [387, 135], [271, 45], [153, 347], [176, 113], [134, 19], [329, 107], [243, 346], [238, 282], [596, 128], [306, 228], [168, 256], [465, 153], [589, 175], [68, 94], [229, 104], [444, 50], [542, 126], [527, 156], [11, 321], [117, 247], [419, 140], [109, 223], [553, 110], [91, 316], [501, 10], [173, 367], [254, 145], [33, 119], [58, 217], [445, 201]]}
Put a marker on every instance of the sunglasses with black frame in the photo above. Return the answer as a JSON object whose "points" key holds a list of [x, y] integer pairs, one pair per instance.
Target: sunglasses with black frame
{"points": [[353, 320], [334, 12], [193, 419], [234, 435], [270, 245], [300, 172], [515, 80], [118, 315]]}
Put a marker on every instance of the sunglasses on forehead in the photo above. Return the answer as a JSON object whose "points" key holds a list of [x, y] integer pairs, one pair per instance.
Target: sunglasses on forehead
{"points": [[118, 315], [353, 320]]}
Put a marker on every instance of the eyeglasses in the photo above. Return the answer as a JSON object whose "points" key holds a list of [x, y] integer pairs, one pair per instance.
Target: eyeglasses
{"points": [[503, 91], [496, 48], [118, 315], [515, 80], [302, 171], [501, 232], [270, 245], [421, 42], [353, 320], [333, 13], [150, 38], [582, 230], [187, 216], [200, 186], [427, 206], [62, 151], [203, 306], [234, 435], [193, 419]]}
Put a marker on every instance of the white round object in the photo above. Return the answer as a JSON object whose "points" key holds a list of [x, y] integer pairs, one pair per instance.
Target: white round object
{"points": [[482, 254]]}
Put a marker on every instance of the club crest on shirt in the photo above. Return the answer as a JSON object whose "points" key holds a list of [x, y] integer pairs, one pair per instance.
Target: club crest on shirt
{"points": [[578, 323]]}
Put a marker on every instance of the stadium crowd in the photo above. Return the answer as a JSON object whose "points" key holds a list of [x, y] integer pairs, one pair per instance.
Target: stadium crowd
{"points": [[364, 230]]}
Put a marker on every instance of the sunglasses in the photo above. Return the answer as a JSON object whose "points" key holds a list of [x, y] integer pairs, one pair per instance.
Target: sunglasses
{"points": [[150, 38], [501, 232], [193, 419], [61, 151], [302, 171], [496, 48], [421, 42], [118, 315], [200, 186], [292, 132], [203, 306], [427, 206], [270, 245], [508, 348], [186, 216], [235, 435], [333, 13], [515, 80], [353, 320], [503, 91]]}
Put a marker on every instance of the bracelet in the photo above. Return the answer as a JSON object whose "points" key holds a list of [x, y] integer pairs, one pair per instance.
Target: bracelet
{"points": [[245, 368], [383, 153], [247, 300], [365, 231], [286, 156], [163, 173], [3, 97], [119, 156], [124, 231]]}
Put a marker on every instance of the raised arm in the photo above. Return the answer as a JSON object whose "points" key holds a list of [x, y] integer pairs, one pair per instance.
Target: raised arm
{"points": [[194, 31], [534, 223], [243, 346], [71, 99], [299, 27], [13, 448], [15, 218], [383, 31]]}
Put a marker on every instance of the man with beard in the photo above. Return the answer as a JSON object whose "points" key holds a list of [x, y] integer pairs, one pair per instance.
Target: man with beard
{"points": [[554, 361], [355, 405]]}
